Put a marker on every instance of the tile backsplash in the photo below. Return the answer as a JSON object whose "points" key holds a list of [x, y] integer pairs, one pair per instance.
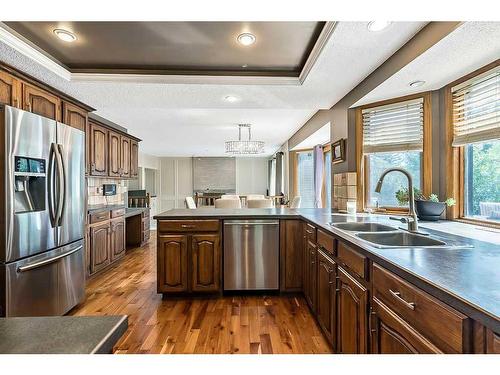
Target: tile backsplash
{"points": [[94, 192], [344, 190]]}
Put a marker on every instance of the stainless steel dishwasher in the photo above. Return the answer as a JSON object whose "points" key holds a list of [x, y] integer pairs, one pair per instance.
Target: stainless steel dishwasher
{"points": [[251, 254]]}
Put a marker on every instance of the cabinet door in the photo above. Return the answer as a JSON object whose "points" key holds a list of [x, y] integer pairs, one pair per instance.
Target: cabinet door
{"points": [[310, 278], [291, 255], [352, 311], [98, 150], [117, 239], [205, 257], [125, 161], [326, 295], [41, 102], [74, 116], [114, 154], [100, 255], [10, 90], [390, 334], [492, 342], [172, 265], [134, 159]]}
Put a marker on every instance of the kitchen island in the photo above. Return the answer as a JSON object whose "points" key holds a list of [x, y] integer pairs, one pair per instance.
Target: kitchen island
{"points": [[418, 299]]}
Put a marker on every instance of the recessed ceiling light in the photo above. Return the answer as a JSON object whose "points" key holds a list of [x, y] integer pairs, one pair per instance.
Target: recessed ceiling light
{"points": [[378, 25], [246, 39], [231, 99], [65, 35], [416, 83]]}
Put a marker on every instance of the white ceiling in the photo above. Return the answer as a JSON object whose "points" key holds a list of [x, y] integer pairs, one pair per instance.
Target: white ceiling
{"points": [[194, 120], [319, 137], [470, 47]]}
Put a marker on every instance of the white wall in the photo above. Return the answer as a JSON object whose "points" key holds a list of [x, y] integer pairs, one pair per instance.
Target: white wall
{"points": [[251, 175]]}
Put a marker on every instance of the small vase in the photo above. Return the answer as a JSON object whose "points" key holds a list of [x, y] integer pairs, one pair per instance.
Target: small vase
{"points": [[429, 211]]}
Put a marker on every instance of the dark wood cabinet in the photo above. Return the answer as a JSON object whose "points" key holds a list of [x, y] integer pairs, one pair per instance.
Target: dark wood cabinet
{"points": [[205, 262], [74, 116], [10, 90], [172, 257], [41, 102], [117, 238], [310, 270], [492, 342], [291, 255], [352, 311], [326, 277], [134, 159], [98, 150], [100, 255], [114, 154], [390, 334], [125, 161]]}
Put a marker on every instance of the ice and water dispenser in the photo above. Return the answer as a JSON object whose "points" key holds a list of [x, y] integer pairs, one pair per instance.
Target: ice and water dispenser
{"points": [[30, 185]]}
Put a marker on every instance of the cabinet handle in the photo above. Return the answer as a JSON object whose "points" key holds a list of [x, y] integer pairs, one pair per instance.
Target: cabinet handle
{"points": [[188, 226], [309, 232], [92, 167], [331, 282], [397, 295], [29, 106]]}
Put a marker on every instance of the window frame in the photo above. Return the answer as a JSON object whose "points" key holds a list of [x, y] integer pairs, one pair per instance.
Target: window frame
{"points": [[426, 160], [455, 157], [327, 147]]}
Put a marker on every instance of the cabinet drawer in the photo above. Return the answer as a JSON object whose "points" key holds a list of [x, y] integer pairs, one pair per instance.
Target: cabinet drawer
{"points": [[117, 213], [310, 233], [96, 217], [188, 226], [352, 260], [326, 241], [441, 324]]}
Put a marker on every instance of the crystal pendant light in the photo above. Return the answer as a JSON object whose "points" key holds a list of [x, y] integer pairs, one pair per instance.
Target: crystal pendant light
{"points": [[240, 147]]}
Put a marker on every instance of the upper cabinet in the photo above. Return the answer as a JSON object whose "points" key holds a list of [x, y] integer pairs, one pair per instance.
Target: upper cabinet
{"points": [[74, 116], [98, 138], [10, 90], [41, 102], [125, 157], [134, 159], [114, 154]]}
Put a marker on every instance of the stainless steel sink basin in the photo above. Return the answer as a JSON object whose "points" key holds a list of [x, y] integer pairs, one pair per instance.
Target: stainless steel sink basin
{"points": [[399, 239], [363, 227]]}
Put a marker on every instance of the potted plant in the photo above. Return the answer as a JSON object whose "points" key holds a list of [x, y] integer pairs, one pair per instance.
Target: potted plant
{"points": [[428, 208]]}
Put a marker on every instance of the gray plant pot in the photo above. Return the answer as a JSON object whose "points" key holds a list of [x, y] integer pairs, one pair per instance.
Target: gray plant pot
{"points": [[429, 211]]}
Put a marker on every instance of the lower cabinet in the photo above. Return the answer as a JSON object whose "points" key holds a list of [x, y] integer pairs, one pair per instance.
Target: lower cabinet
{"points": [[310, 275], [117, 238], [189, 262], [291, 252], [100, 255], [390, 334], [326, 296], [352, 311]]}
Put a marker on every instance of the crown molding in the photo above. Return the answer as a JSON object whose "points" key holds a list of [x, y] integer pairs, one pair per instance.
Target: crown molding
{"points": [[28, 49]]}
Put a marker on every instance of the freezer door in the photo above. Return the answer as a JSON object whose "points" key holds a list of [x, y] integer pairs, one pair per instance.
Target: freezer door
{"points": [[71, 156], [47, 284], [28, 227]]}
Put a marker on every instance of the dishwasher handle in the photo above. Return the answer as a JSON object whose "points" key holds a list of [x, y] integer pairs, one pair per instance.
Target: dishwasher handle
{"points": [[252, 223]]}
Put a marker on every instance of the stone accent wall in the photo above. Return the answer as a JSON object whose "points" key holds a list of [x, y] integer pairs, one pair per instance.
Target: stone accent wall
{"points": [[94, 192], [344, 190]]}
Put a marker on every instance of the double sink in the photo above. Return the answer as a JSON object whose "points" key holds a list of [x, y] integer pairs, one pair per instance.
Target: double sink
{"points": [[385, 236]]}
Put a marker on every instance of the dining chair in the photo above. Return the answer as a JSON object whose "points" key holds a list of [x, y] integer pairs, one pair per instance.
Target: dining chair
{"points": [[259, 203], [190, 203], [230, 196], [295, 203], [255, 196], [227, 203]]}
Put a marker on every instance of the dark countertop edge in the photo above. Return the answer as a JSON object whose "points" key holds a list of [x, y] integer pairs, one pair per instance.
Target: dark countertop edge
{"points": [[464, 306], [108, 342]]}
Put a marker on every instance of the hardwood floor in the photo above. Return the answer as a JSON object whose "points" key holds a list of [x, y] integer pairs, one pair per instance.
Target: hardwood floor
{"points": [[229, 324]]}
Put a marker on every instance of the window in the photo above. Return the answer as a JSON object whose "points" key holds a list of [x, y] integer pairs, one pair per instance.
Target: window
{"points": [[392, 136], [327, 180], [476, 134], [305, 178]]}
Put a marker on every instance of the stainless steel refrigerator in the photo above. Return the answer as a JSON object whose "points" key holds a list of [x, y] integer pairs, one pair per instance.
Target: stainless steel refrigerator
{"points": [[42, 215]]}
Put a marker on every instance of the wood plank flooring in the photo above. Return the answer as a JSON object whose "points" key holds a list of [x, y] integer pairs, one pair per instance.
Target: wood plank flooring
{"points": [[224, 325]]}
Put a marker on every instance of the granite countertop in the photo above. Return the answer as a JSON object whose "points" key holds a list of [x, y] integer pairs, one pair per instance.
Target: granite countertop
{"points": [[467, 278], [105, 208], [61, 334]]}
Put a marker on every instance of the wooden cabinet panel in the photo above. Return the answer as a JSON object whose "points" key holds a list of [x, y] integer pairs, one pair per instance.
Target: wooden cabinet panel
{"points": [[492, 342], [125, 161], [351, 259], [326, 296], [291, 253], [352, 311], [172, 263], [188, 225], [74, 116], [205, 257], [117, 239], [326, 242], [134, 159], [310, 270], [99, 247], [98, 150], [41, 102], [392, 335], [10, 90], [114, 154]]}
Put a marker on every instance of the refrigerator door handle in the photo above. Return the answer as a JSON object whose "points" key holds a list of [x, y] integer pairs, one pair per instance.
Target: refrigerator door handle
{"points": [[50, 185], [31, 266], [61, 183]]}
